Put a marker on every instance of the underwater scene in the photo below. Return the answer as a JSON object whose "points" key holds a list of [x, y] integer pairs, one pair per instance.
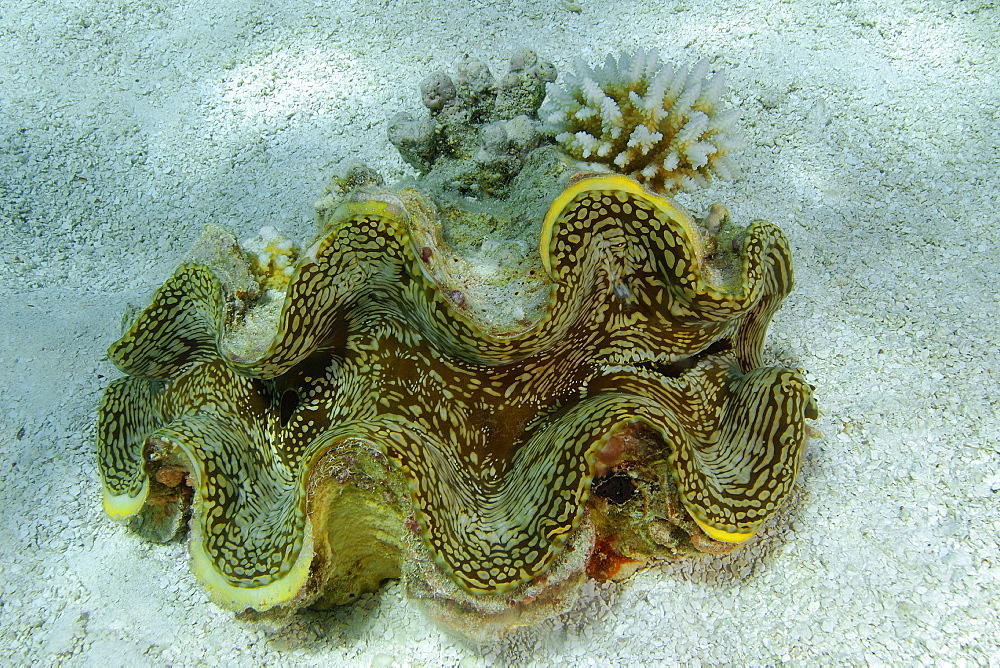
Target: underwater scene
{"points": [[500, 333]]}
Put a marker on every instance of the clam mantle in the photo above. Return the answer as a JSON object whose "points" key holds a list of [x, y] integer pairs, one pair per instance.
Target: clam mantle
{"points": [[379, 429]]}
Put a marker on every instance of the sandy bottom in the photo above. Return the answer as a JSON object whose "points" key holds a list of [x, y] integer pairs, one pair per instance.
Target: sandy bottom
{"points": [[873, 128]]}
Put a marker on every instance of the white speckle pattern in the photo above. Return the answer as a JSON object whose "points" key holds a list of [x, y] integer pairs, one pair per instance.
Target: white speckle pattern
{"points": [[399, 368]]}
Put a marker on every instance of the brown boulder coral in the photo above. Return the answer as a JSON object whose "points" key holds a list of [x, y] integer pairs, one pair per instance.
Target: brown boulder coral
{"points": [[372, 426]]}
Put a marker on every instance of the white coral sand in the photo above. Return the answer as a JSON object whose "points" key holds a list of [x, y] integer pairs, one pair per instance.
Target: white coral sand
{"points": [[125, 127]]}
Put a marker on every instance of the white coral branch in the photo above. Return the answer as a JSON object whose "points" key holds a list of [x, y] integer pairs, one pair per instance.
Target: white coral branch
{"points": [[663, 124]]}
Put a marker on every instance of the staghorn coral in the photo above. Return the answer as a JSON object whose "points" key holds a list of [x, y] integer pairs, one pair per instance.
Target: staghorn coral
{"points": [[661, 124]]}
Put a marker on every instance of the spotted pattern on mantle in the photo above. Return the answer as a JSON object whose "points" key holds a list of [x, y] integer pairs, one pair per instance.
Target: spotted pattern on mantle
{"points": [[495, 436]]}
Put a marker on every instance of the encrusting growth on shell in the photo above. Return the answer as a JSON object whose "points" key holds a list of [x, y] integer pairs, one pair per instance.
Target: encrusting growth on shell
{"points": [[662, 124]]}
